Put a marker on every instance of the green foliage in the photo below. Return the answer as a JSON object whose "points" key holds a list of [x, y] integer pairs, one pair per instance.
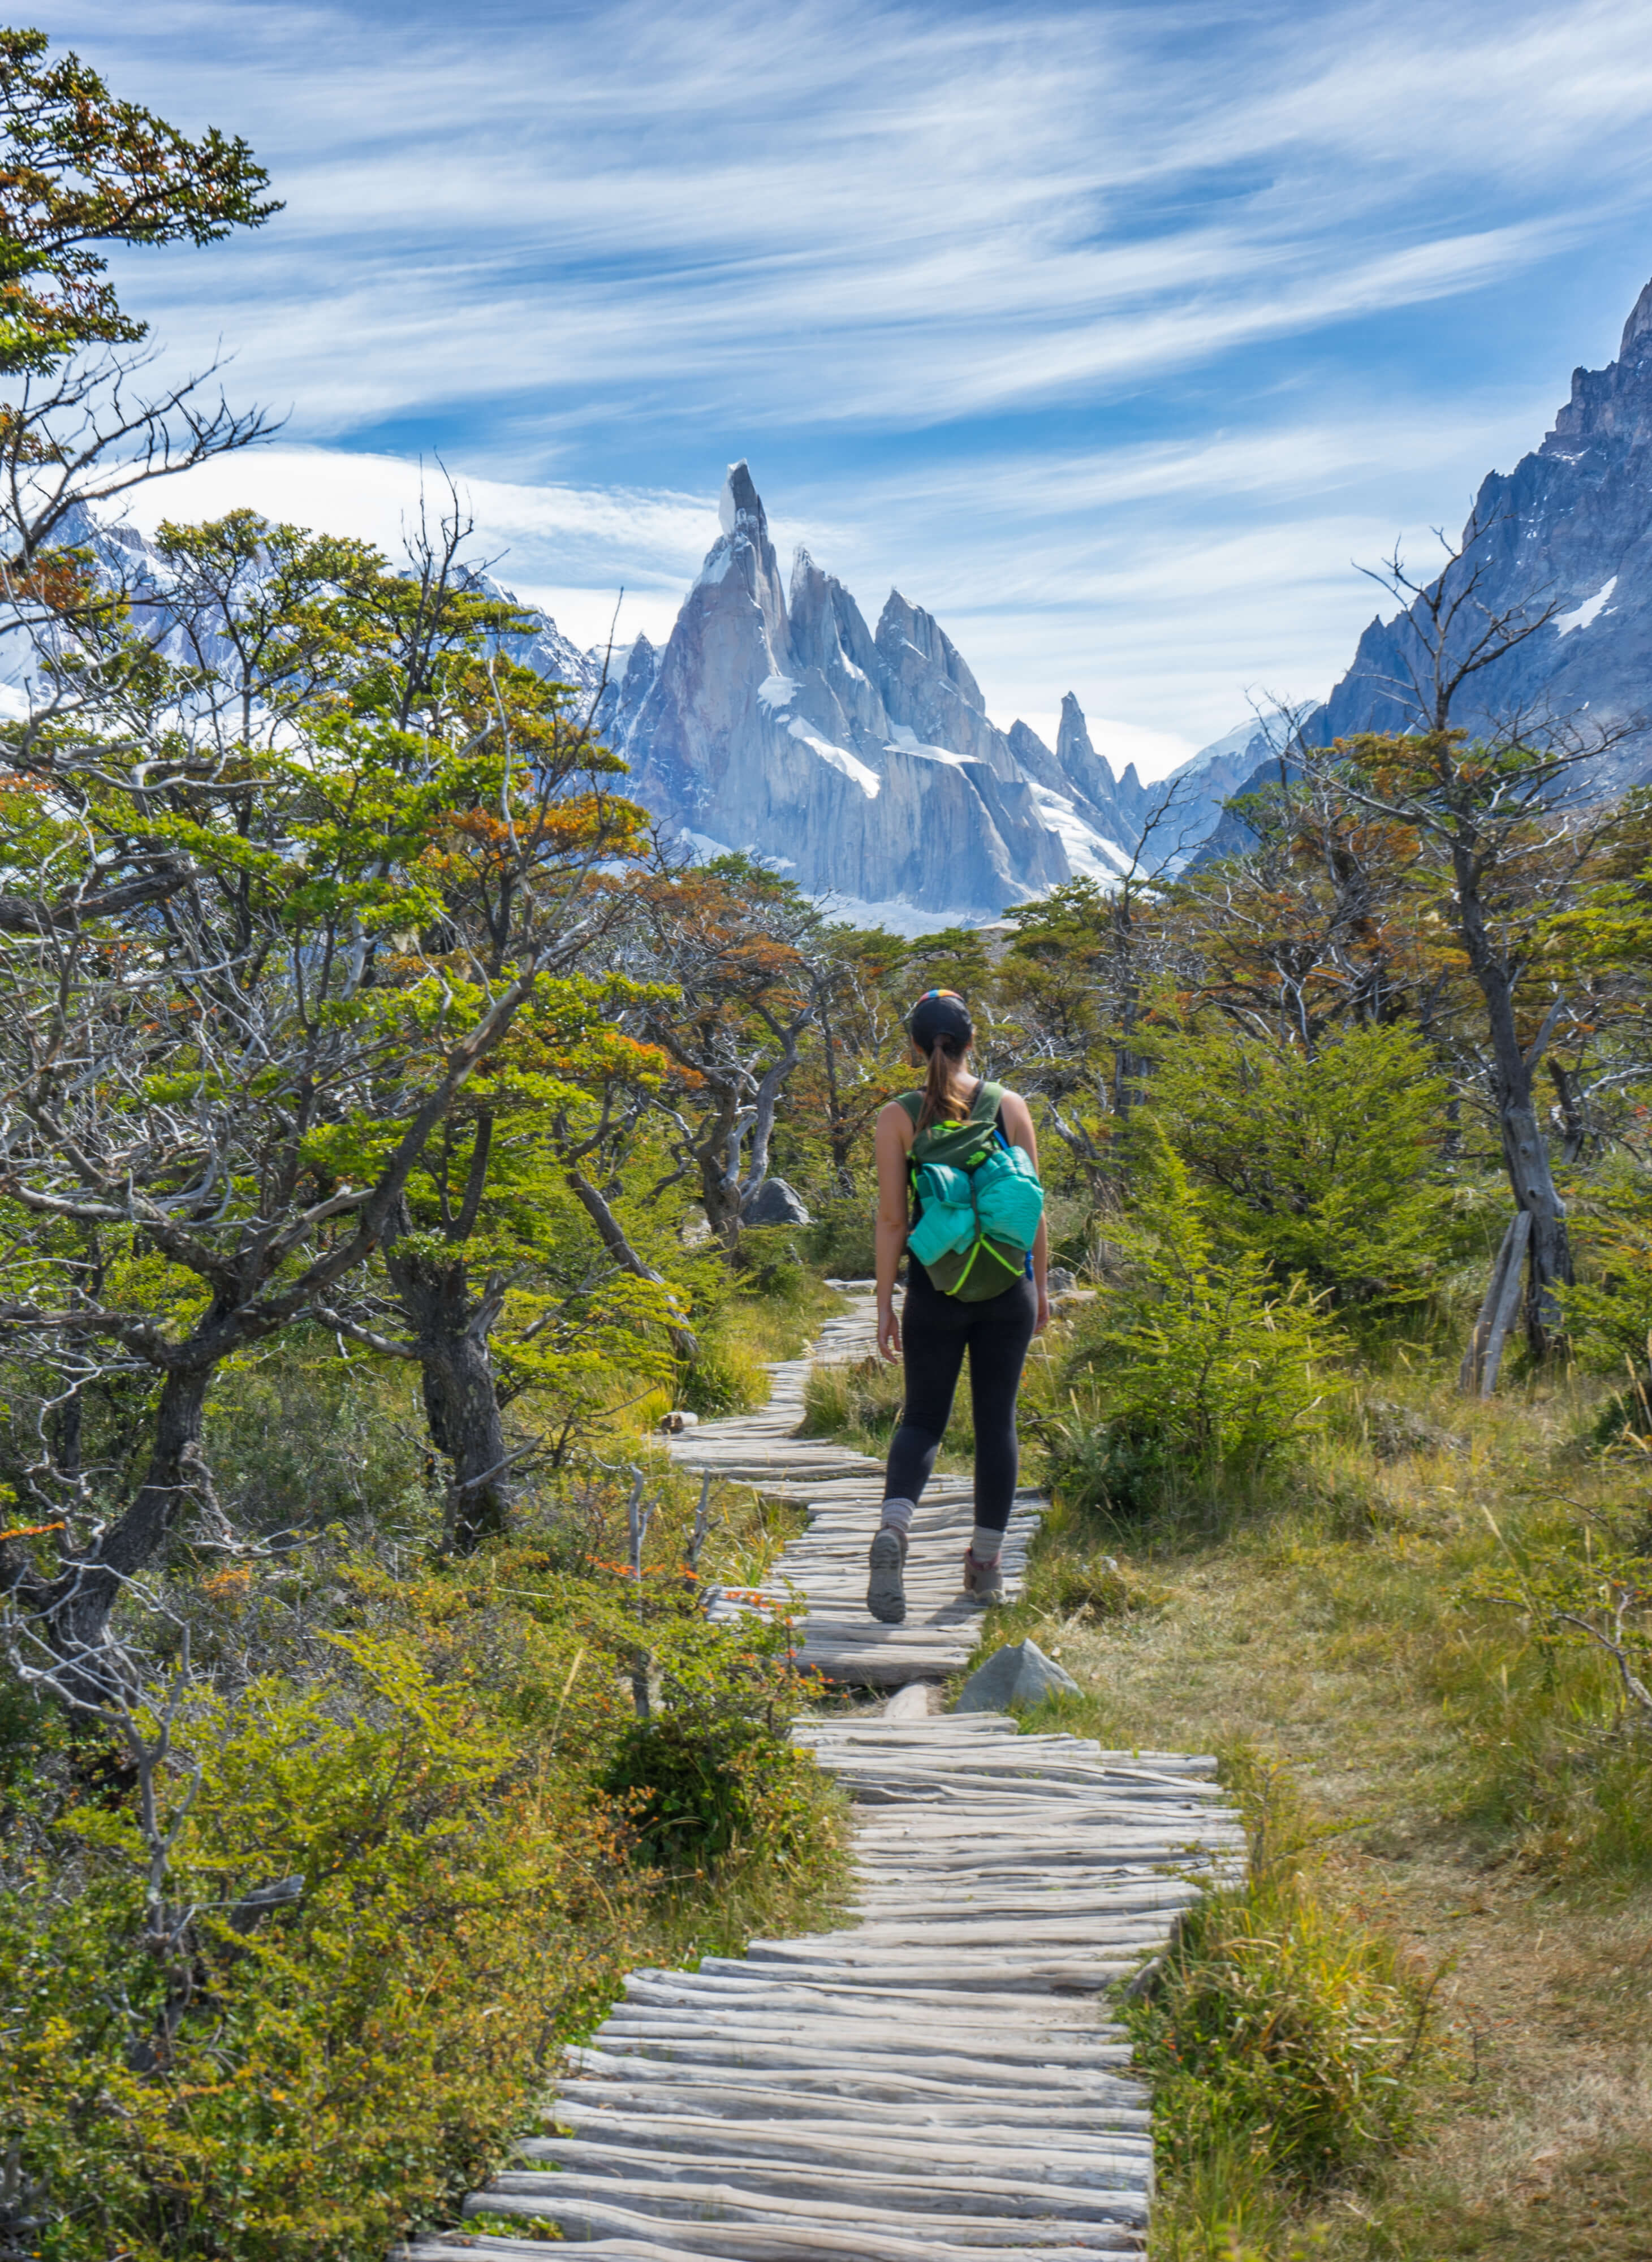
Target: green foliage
{"points": [[304, 1438], [1325, 1164], [349, 2062], [1552, 1682], [82, 168], [425, 1747], [1199, 1365], [694, 1787], [1287, 2047], [841, 1241], [727, 1377], [1609, 1308], [860, 1398]]}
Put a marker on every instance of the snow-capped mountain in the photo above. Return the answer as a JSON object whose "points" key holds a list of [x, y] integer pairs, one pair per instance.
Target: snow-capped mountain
{"points": [[859, 763], [1571, 527]]}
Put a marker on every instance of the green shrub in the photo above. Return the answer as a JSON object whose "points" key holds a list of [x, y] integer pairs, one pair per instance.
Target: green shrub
{"points": [[1289, 2048], [726, 1377], [1609, 1308], [425, 1756], [1326, 1165], [342, 2069], [1199, 1365], [854, 1398], [694, 1787], [1549, 1678], [842, 1239]]}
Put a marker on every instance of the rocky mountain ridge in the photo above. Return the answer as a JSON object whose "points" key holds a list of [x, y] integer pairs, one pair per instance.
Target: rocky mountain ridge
{"points": [[862, 762], [1569, 531]]}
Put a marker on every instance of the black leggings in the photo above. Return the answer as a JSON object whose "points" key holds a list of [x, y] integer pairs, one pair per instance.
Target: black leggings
{"points": [[936, 1330]]}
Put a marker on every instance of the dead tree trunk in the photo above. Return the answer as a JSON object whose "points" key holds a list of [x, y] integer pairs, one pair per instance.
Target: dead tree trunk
{"points": [[1525, 1148], [1481, 1362]]}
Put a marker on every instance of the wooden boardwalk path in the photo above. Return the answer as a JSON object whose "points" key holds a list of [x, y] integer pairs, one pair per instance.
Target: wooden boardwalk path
{"points": [[939, 2080]]}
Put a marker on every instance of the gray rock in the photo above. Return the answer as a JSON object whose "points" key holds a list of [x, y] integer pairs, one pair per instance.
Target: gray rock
{"points": [[1019, 1674], [775, 1203], [1060, 1279]]}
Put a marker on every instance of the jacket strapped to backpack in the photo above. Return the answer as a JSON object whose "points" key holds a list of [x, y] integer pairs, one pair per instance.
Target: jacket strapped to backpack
{"points": [[977, 1200]]}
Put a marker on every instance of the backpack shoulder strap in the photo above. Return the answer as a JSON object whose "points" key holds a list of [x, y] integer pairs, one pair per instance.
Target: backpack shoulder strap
{"points": [[987, 1102], [911, 1103]]}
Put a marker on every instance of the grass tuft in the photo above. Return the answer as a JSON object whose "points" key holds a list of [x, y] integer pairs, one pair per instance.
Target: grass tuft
{"points": [[1288, 2045]]}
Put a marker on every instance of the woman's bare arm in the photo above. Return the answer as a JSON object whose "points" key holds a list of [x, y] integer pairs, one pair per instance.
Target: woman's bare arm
{"points": [[893, 1144]]}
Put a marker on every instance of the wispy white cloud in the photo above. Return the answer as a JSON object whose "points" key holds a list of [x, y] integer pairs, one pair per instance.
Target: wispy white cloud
{"points": [[1062, 317], [953, 215]]}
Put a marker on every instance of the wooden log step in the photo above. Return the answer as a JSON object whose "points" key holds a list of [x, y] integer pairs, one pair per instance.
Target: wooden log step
{"points": [[1009, 2068], [1048, 1975], [1116, 2165], [738, 1999], [995, 2213], [820, 2035], [737, 2244], [903, 2102], [921, 2190], [1098, 2097]]}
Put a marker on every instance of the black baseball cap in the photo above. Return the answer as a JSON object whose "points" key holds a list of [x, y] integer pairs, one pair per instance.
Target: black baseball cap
{"points": [[939, 1013]]}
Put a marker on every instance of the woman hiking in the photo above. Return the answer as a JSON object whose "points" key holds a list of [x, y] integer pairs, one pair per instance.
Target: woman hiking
{"points": [[995, 1300]]}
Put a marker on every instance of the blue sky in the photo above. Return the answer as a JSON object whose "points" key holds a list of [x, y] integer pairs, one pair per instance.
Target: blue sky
{"points": [[1113, 333]]}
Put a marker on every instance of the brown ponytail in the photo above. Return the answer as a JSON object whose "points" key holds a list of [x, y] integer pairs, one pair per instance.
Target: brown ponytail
{"points": [[945, 1098]]}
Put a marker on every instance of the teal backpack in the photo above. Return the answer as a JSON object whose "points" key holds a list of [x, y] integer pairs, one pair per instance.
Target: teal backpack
{"points": [[977, 1200]]}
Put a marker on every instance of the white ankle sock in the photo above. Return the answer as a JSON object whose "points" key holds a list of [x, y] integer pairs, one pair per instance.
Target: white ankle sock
{"points": [[897, 1515], [986, 1546]]}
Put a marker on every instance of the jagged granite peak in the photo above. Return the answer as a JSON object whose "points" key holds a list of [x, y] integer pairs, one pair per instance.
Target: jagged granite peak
{"points": [[623, 694], [1571, 527], [1034, 757], [1077, 758], [862, 765], [833, 650], [739, 504], [902, 622], [929, 691]]}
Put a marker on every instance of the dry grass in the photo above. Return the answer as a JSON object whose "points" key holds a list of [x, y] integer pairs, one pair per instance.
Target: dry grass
{"points": [[1484, 1819]]}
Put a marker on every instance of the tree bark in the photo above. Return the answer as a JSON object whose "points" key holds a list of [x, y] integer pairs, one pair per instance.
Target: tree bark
{"points": [[451, 1328], [1525, 1148], [74, 1609], [718, 1156], [762, 1118], [1574, 1130]]}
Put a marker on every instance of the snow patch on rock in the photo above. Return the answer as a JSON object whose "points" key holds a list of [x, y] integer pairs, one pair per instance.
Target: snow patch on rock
{"points": [[840, 758], [1589, 612]]}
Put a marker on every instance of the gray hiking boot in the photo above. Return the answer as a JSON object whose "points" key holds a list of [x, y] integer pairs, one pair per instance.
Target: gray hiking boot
{"points": [[885, 1584], [983, 1582]]}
